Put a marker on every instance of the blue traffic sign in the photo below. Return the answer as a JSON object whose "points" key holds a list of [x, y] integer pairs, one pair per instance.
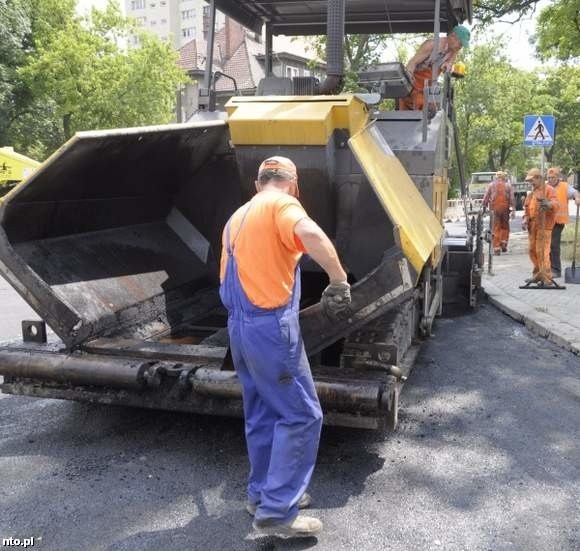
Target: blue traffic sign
{"points": [[539, 130]]}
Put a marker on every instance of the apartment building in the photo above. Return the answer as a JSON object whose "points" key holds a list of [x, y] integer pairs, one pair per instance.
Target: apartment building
{"points": [[179, 21]]}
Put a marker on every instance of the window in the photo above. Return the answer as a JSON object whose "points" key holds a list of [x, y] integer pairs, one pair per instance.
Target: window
{"points": [[188, 14], [188, 32], [163, 21], [137, 4], [141, 20], [292, 71], [153, 23], [163, 3], [206, 11]]}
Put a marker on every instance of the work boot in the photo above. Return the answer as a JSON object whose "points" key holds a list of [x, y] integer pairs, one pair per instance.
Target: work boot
{"points": [[497, 252], [300, 527], [504, 248], [303, 503]]}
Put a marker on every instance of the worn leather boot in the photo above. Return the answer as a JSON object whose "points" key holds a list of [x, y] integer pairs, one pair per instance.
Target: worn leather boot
{"points": [[300, 527]]}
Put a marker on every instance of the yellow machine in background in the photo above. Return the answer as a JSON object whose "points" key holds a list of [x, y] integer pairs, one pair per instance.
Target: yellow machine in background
{"points": [[14, 168]]}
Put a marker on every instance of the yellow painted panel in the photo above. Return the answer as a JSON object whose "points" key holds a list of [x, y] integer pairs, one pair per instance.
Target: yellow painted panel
{"points": [[416, 227], [14, 166], [293, 120]]}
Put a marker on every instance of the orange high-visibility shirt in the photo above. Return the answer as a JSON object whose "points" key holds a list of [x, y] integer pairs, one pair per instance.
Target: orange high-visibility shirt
{"points": [[532, 207], [561, 190], [266, 249]]}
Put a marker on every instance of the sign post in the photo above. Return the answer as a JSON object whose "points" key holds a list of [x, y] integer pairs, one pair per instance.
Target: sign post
{"points": [[539, 130]]}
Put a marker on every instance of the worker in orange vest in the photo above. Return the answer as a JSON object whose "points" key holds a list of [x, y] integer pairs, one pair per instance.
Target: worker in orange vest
{"points": [[540, 210], [420, 66], [564, 193], [499, 197]]}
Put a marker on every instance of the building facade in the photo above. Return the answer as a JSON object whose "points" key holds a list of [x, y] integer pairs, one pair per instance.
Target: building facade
{"points": [[179, 21]]}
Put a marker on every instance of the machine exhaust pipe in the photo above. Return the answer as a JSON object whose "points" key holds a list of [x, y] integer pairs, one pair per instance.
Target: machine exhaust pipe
{"points": [[335, 18]]}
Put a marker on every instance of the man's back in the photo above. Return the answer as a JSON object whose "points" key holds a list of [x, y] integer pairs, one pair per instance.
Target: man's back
{"points": [[266, 248]]}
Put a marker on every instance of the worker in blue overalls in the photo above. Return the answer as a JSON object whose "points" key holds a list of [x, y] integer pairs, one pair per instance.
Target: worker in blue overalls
{"points": [[260, 286]]}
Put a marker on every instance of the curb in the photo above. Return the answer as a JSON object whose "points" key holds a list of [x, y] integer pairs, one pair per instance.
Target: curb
{"points": [[539, 323]]}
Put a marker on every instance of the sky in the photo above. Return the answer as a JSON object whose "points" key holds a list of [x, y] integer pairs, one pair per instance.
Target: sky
{"points": [[516, 36]]}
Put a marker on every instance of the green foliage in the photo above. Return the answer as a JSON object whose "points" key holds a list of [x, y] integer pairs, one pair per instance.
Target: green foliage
{"points": [[60, 73], [562, 84], [363, 50], [490, 11], [494, 97], [558, 32], [14, 30], [491, 103], [96, 84]]}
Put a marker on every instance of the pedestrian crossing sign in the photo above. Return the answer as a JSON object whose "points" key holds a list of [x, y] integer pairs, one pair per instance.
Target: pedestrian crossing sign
{"points": [[539, 130]]}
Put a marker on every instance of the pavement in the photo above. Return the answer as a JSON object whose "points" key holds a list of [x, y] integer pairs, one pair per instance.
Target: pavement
{"points": [[549, 313]]}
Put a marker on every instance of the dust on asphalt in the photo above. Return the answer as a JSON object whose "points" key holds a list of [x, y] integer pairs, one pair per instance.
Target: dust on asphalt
{"points": [[486, 457]]}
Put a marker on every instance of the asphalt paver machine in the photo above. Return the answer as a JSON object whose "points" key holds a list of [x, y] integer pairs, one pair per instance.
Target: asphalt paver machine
{"points": [[115, 240]]}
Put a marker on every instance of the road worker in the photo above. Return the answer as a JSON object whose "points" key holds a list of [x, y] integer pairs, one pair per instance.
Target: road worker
{"points": [[540, 210], [260, 286], [564, 193], [499, 197], [420, 66]]}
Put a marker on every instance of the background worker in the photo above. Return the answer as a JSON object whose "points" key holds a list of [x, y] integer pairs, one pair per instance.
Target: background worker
{"points": [[540, 210], [564, 193], [420, 66], [260, 286], [499, 197]]}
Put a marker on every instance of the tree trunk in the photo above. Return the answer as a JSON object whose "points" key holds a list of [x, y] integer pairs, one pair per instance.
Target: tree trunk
{"points": [[549, 154], [66, 126], [491, 160]]}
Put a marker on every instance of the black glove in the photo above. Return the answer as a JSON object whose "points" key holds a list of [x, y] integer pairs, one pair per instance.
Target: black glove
{"points": [[544, 204], [335, 299]]}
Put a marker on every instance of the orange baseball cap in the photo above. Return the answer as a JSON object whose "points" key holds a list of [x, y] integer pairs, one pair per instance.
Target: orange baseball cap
{"points": [[278, 163], [283, 166], [534, 173]]}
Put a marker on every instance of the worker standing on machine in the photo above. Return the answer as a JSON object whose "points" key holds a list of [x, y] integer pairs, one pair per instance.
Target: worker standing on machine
{"points": [[499, 197], [420, 66], [262, 244], [564, 192], [540, 210]]}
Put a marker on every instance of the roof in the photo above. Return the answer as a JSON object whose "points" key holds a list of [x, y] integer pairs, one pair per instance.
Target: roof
{"points": [[308, 17], [192, 55], [237, 67]]}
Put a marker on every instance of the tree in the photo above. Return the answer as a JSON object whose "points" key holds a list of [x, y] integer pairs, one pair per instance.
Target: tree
{"points": [[14, 29], [562, 84], [490, 11], [491, 103], [94, 83], [363, 50], [558, 31]]}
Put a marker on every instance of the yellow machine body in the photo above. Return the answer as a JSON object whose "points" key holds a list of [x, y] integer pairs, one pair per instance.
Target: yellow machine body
{"points": [[399, 197], [15, 167], [293, 120]]}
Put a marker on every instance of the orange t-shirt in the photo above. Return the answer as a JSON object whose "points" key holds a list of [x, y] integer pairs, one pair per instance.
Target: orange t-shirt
{"points": [[266, 249]]}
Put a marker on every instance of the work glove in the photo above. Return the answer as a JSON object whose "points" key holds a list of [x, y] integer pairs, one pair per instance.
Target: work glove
{"points": [[335, 299], [544, 204]]}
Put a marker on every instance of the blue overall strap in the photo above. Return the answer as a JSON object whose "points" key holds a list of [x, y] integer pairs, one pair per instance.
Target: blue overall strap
{"points": [[230, 246]]}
